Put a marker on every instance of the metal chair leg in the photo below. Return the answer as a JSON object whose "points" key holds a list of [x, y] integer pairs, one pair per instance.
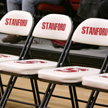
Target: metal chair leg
{"points": [[1, 85], [94, 99], [73, 96], [43, 102], [49, 96], [8, 91], [90, 99], [35, 92]]}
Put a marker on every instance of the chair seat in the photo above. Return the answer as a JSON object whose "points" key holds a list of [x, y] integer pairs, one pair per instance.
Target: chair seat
{"points": [[7, 57], [25, 67], [70, 74], [51, 8], [96, 81]]}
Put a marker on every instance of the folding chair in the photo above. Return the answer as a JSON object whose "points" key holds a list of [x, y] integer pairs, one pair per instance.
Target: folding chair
{"points": [[52, 26], [88, 33], [18, 23], [98, 83]]}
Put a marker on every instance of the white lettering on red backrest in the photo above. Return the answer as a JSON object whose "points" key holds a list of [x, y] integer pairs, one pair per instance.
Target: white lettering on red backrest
{"points": [[72, 70], [4, 56], [30, 62], [16, 22], [94, 31], [53, 26]]}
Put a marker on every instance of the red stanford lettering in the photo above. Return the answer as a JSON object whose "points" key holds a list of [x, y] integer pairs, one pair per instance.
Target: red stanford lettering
{"points": [[104, 77], [70, 70], [1, 56], [30, 62], [53, 26], [95, 31], [16, 22]]}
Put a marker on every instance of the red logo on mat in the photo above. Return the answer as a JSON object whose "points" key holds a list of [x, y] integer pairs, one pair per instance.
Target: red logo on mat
{"points": [[104, 76], [4, 56], [53, 26], [94, 31], [16, 22], [30, 62], [72, 70]]}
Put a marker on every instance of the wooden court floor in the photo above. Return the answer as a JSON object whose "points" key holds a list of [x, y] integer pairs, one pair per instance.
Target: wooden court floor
{"points": [[54, 102]]}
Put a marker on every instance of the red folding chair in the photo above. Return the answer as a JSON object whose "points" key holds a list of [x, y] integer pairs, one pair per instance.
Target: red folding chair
{"points": [[52, 26], [88, 32]]}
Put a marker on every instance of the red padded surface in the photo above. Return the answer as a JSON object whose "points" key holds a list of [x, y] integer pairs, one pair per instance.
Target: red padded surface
{"points": [[51, 8], [75, 4]]}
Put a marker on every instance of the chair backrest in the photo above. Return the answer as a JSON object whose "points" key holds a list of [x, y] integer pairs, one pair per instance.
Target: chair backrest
{"points": [[52, 8], [53, 26], [92, 31], [16, 22], [75, 4]]}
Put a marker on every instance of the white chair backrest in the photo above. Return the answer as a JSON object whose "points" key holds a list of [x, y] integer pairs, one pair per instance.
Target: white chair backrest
{"points": [[16, 22], [53, 26], [92, 31]]}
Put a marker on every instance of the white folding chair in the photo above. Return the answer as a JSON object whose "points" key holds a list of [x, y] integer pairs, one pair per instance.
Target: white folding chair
{"points": [[17, 23], [98, 82], [91, 32], [52, 26]]}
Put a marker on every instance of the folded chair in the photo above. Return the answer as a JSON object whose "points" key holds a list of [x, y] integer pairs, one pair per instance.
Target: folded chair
{"points": [[98, 83], [87, 32], [52, 26], [17, 23]]}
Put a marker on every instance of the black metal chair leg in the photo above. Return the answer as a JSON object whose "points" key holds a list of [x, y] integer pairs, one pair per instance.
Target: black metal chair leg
{"points": [[90, 99], [94, 99], [37, 91], [8, 85], [1, 85], [72, 98], [49, 95], [75, 95], [45, 96], [34, 92], [7, 94]]}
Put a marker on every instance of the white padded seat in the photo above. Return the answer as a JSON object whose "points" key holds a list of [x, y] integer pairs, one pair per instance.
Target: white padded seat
{"points": [[7, 57], [96, 81], [26, 67], [70, 74]]}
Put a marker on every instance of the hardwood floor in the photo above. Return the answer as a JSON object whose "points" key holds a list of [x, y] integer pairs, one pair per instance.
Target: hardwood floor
{"points": [[54, 102]]}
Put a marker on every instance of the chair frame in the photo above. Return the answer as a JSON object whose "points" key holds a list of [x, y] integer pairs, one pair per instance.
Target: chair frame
{"points": [[33, 78], [72, 90], [23, 55], [95, 91]]}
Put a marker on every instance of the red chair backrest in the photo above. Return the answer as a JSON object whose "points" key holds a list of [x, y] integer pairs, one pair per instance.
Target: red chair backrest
{"points": [[51, 8], [75, 4]]}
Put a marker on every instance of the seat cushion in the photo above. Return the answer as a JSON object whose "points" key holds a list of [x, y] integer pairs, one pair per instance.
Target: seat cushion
{"points": [[69, 74], [51, 8], [25, 67], [7, 57], [96, 81]]}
